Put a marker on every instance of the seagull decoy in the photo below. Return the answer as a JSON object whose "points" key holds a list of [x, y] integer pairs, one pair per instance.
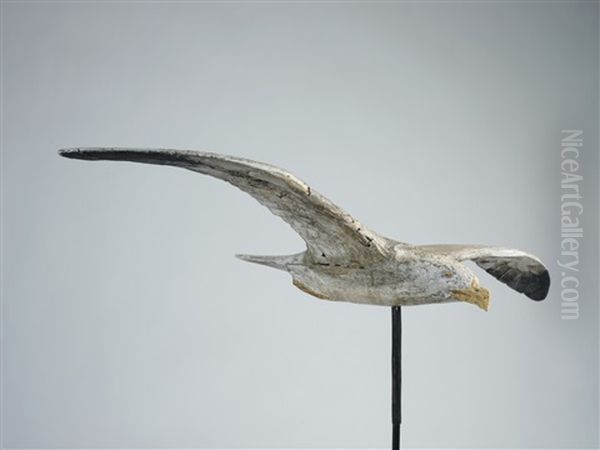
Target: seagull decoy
{"points": [[344, 260]]}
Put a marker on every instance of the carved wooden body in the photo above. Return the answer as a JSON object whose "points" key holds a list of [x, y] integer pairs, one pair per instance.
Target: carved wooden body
{"points": [[344, 260]]}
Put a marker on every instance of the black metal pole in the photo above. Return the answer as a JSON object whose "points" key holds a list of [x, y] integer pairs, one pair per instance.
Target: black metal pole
{"points": [[396, 375]]}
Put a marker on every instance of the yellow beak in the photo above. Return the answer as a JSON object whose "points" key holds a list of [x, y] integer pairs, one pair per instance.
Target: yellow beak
{"points": [[476, 295]]}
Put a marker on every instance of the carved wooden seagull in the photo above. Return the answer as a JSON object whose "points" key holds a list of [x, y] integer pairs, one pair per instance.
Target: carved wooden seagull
{"points": [[345, 261]]}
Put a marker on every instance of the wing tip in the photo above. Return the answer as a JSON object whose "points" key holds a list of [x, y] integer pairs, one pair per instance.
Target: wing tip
{"points": [[69, 152], [84, 153], [538, 288], [150, 156]]}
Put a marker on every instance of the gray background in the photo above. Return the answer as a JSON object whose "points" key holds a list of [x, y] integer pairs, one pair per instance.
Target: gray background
{"points": [[128, 323]]}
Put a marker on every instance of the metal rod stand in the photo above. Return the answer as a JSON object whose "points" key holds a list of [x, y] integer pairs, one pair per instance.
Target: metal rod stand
{"points": [[396, 375]]}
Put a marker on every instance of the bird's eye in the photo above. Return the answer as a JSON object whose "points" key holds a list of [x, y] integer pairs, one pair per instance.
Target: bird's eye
{"points": [[447, 274]]}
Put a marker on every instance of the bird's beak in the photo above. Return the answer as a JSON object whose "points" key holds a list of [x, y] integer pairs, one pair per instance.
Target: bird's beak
{"points": [[476, 295]]}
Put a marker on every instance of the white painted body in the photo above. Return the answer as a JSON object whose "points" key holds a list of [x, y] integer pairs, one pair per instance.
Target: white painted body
{"points": [[344, 260]]}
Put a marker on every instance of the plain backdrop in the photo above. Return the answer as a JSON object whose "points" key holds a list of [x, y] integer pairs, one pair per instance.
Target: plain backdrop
{"points": [[128, 323]]}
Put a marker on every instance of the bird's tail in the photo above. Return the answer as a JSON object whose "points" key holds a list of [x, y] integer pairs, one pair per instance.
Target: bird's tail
{"points": [[277, 262]]}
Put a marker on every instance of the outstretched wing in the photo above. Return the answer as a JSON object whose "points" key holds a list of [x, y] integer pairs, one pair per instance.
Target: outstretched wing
{"points": [[329, 232], [521, 271]]}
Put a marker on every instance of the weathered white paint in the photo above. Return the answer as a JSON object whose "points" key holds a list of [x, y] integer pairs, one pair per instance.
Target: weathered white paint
{"points": [[344, 261]]}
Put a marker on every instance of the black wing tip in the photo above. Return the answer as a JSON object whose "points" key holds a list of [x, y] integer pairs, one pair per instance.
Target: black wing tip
{"points": [[539, 286], [72, 153], [156, 156], [85, 153]]}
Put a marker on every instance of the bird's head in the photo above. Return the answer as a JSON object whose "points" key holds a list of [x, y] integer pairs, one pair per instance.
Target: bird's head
{"points": [[458, 283], [474, 294]]}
